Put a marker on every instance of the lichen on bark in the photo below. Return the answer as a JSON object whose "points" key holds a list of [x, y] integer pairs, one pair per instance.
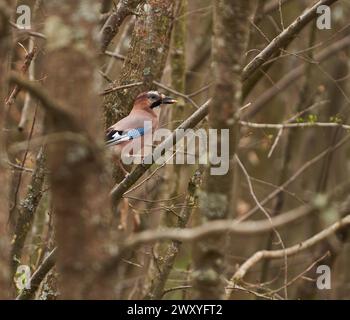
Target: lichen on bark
{"points": [[231, 30], [145, 59]]}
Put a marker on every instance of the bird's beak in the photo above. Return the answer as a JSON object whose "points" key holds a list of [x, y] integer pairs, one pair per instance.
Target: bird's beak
{"points": [[168, 100]]}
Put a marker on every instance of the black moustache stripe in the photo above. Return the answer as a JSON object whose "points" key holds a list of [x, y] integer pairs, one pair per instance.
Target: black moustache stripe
{"points": [[156, 103]]}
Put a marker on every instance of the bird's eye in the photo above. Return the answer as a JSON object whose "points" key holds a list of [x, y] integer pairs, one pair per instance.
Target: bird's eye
{"points": [[154, 97]]}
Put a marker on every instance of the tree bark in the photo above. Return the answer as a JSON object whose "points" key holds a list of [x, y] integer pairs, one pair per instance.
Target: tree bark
{"points": [[5, 42], [78, 181], [231, 30], [145, 59]]}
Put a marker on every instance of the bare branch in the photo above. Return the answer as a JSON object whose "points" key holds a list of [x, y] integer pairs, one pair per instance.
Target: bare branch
{"points": [[115, 55], [49, 104], [116, 88], [28, 59], [285, 37], [38, 276], [29, 32], [278, 254], [27, 100], [118, 191], [294, 125], [158, 283], [292, 76], [177, 93], [27, 210], [302, 169], [124, 9], [208, 229], [273, 5], [275, 45]]}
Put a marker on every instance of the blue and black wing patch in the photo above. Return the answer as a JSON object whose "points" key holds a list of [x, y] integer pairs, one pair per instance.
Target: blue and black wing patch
{"points": [[115, 137]]}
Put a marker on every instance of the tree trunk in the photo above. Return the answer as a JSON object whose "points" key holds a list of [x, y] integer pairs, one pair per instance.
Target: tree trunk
{"points": [[78, 181], [231, 30]]}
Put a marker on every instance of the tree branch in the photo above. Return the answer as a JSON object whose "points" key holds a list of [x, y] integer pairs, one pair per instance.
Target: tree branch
{"points": [[302, 169], [292, 76], [276, 44], [284, 38], [49, 104], [294, 125], [118, 191], [38, 276], [158, 283], [205, 230], [27, 211], [27, 61], [124, 9], [278, 254]]}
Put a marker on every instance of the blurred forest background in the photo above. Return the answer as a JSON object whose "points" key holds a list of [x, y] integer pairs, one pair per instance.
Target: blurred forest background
{"points": [[74, 228]]}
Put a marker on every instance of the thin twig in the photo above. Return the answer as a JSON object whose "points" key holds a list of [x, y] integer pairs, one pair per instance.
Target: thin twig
{"points": [[296, 116], [158, 283], [301, 170], [206, 230], [177, 93], [27, 211], [118, 191], [115, 55], [285, 37], [278, 254], [295, 125], [19, 175], [31, 33], [290, 282], [27, 100], [125, 86], [292, 76], [279, 42], [27, 61], [268, 217]]}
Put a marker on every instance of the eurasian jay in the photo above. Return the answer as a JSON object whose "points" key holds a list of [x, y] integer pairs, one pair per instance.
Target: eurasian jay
{"points": [[131, 129]]}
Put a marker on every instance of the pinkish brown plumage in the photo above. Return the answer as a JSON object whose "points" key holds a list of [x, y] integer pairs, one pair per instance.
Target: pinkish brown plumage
{"points": [[131, 131]]}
